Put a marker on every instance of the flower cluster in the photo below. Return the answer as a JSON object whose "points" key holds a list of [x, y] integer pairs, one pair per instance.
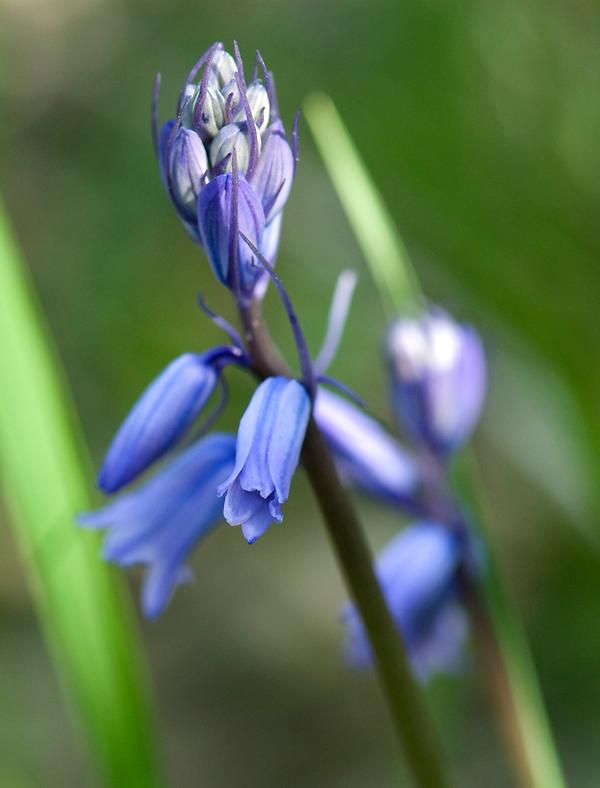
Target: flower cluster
{"points": [[438, 382], [226, 164], [228, 169]]}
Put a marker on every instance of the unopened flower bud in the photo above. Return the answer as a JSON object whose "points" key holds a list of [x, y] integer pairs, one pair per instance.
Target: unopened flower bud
{"points": [[223, 68], [438, 379], [188, 165], [214, 225], [274, 173], [231, 94], [258, 99], [211, 117], [231, 137]]}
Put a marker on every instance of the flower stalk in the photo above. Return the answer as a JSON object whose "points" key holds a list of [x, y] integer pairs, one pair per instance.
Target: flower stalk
{"points": [[409, 714]]}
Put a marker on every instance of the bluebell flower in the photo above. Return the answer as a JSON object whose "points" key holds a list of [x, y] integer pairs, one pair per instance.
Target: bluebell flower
{"points": [[365, 454], [161, 416], [418, 573], [269, 440], [159, 523], [438, 372], [219, 115]]}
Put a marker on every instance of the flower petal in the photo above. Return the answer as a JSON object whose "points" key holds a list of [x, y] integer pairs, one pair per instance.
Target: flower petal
{"points": [[287, 436], [160, 522]]}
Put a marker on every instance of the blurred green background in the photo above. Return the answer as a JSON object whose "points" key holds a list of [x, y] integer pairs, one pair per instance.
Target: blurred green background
{"points": [[480, 122]]}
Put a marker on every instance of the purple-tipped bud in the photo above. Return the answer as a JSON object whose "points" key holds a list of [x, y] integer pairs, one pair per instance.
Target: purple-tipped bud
{"points": [[158, 419], [231, 137], [272, 179], [214, 223], [188, 167], [418, 574], [438, 373], [269, 441]]}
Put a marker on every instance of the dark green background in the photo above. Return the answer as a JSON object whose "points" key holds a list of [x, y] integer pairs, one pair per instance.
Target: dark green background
{"points": [[480, 123]]}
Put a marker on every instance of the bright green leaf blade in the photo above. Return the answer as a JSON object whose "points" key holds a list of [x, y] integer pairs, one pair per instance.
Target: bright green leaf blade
{"points": [[398, 285], [369, 218], [85, 614]]}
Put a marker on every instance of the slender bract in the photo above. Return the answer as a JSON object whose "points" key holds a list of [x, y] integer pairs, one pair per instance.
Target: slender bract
{"points": [[401, 289], [84, 613]]}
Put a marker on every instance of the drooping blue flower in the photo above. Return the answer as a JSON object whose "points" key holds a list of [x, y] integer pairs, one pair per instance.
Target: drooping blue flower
{"points": [[366, 455], [438, 371], [220, 116], [269, 441], [159, 523], [418, 573], [161, 416]]}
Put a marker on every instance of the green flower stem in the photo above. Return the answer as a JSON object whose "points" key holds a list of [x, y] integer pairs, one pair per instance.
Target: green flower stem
{"points": [[411, 720]]}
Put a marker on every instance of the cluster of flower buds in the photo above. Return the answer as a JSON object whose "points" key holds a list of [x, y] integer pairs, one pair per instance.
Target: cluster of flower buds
{"points": [[438, 383], [226, 163]]}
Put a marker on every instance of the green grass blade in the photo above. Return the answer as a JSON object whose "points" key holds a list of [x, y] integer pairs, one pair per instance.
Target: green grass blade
{"points": [[398, 285], [85, 614], [367, 214]]}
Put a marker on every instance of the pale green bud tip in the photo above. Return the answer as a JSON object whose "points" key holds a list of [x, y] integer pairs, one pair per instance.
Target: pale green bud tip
{"points": [[258, 100], [231, 137], [223, 68]]}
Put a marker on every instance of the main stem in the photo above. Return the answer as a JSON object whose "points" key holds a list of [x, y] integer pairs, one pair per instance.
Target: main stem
{"points": [[410, 717]]}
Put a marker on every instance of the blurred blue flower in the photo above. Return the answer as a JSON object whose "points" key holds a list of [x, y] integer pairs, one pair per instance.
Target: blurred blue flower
{"points": [[160, 522], [418, 573], [366, 455], [161, 416], [221, 119], [269, 441], [438, 371]]}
